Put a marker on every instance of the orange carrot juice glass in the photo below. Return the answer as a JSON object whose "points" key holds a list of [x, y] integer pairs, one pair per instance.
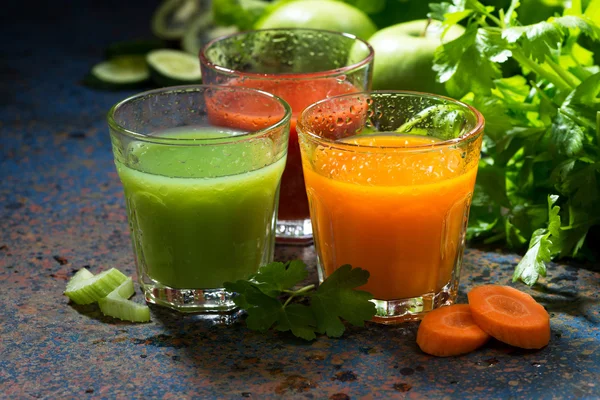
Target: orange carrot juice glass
{"points": [[301, 66], [389, 177]]}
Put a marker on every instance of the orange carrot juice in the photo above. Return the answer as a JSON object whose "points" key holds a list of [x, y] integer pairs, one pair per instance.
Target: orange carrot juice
{"points": [[398, 207]]}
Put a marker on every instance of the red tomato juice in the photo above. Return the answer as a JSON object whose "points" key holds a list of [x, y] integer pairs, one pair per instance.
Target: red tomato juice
{"points": [[299, 92]]}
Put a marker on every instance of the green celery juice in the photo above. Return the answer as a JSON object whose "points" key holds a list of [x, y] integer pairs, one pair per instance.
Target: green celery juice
{"points": [[201, 215]]}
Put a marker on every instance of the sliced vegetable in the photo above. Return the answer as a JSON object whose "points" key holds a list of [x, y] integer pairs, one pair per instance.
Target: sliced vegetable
{"points": [[90, 290], [79, 276], [173, 67], [450, 331], [116, 305], [510, 316], [172, 17], [121, 72]]}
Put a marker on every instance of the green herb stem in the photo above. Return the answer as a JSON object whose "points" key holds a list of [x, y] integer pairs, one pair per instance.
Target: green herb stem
{"points": [[577, 119], [295, 293], [492, 17], [565, 75], [598, 128], [543, 94], [539, 70], [495, 238]]}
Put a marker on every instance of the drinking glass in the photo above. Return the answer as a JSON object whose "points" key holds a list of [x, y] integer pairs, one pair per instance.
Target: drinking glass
{"points": [[301, 66], [390, 177], [200, 168]]}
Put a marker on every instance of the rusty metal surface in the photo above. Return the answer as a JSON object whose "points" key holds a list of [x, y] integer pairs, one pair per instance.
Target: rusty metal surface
{"points": [[61, 208]]}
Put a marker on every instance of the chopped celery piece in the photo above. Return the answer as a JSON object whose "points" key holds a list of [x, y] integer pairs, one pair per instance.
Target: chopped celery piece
{"points": [[86, 291], [116, 305], [79, 276]]}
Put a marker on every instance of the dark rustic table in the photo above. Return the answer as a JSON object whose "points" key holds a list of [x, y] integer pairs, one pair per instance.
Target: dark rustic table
{"points": [[61, 208]]}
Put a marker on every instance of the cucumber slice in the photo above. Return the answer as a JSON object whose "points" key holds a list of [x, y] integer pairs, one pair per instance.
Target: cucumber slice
{"points": [[86, 291], [172, 17], [173, 67], [201, 31], [133, 47], [121, 72], [79, 276], [116, 305]]}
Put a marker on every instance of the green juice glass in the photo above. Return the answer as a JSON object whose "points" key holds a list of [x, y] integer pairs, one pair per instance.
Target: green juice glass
{"points": [[201, 168]]}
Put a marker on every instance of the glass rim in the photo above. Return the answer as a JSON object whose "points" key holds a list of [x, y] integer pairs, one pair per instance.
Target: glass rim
{"points": [[471, 135], [287, 75], [114, 125]]}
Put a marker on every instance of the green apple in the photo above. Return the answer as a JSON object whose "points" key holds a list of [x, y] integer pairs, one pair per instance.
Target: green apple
{"points": [[404, 55], [319, 14]]}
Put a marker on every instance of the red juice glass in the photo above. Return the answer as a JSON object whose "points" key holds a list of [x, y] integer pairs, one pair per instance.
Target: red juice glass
{"points": [[302, 66]]}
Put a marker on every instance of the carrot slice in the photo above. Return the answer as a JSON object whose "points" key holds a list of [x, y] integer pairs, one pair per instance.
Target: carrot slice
{"points": [[450, 331], [510, 316]]}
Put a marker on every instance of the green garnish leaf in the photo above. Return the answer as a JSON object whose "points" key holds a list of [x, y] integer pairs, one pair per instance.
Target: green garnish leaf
{"points": [[299, 319], [336, 298], [275, 277], [531, 73], [566, 136], [449, 13], [532, 265], [470, 61], [271, 301], [543, 244]]}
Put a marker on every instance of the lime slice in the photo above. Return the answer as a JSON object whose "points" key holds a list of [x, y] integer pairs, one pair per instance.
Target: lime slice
{"points": [[119, 73], [173, 67], [116, 305], [89, 290]]}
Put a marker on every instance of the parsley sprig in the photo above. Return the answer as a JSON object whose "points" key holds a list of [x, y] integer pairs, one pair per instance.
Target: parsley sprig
{"points": [[271, 299], [539, 176]]}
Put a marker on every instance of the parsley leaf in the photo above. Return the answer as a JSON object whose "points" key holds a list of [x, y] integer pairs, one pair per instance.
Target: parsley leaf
{"points": [[532, 265], [542, 123], [449, 13], [583, 102], [543, 243], [267, 298], [337, 298], [470, 61], [299, 319], [538, 39], [276, 277], [565, 136]]}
